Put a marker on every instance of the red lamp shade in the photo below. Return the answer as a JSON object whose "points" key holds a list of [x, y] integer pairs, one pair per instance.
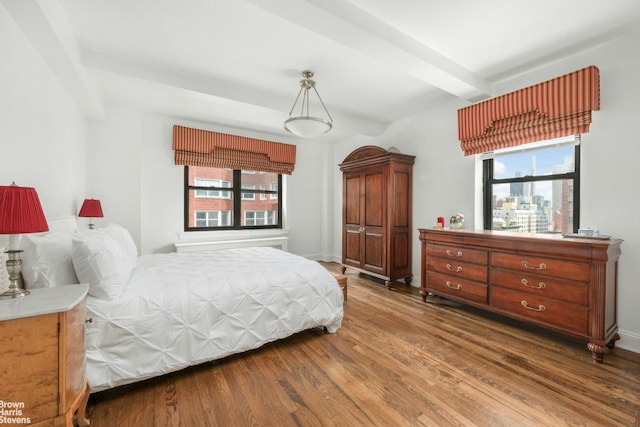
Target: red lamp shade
{"points": [[91, 208], [21, 211]]}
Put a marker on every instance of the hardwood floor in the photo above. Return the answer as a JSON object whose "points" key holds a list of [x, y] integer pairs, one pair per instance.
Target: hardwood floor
{"points": [[396, 361]]}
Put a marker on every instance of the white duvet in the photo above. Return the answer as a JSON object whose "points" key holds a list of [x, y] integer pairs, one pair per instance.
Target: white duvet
{"points": [[182, 309]]}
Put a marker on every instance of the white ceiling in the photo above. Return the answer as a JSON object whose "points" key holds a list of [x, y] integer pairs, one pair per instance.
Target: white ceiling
{"points": [[237, 63]]}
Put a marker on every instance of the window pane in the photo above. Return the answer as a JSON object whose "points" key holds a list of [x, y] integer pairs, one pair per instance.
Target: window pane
{"points": [[211, 177], [256, 211], [534, 207], [248, 195], [540, 162], [210, 211], [212, 218]]}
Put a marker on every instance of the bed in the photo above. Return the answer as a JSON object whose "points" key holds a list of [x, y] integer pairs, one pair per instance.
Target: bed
{"points": [[155, 314]]}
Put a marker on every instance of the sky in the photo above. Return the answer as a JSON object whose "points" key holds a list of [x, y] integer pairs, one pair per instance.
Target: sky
{"points": [[510, 165]]}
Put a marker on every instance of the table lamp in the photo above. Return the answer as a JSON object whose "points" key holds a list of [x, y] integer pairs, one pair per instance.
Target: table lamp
{"points": [[91, 208], [20, 212]]}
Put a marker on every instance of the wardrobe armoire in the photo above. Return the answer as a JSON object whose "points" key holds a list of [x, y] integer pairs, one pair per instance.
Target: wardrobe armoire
{"points": [[376, 213]]}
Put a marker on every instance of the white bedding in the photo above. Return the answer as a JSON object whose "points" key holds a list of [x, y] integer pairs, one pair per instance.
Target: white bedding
{"points": [[181, 309]]}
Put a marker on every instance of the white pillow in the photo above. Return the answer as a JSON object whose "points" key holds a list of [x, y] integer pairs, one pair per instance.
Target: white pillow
{"points": [[123, 237], [46, 260], [102, 262]]}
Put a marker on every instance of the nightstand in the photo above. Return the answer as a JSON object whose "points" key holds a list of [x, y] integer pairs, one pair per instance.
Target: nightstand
{"points": [[342, 281], [42, 357]]}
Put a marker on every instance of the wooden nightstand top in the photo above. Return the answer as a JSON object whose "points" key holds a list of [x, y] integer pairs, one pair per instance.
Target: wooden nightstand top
{"points": [[43, 301]]}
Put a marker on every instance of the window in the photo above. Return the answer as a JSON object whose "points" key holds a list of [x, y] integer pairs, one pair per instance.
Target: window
{"points": [[259, 217], [212, 218], [223, 199], [248, 195], [533, 188], [216, 194]]}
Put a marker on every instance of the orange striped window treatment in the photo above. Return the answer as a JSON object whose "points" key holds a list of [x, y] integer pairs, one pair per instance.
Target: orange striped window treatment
{"points": [[195, 147], [552, 109]]}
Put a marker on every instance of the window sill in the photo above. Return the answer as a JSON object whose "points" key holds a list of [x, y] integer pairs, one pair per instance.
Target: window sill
{"points": [[202, 241]]}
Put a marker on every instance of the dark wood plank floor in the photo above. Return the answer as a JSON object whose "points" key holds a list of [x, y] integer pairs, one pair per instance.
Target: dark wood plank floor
{"points": [[396, 361]]}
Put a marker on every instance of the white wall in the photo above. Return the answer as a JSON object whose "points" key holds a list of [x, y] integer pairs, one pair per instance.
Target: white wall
{"points": [[42, 131], [445, 180], [133, 173]]}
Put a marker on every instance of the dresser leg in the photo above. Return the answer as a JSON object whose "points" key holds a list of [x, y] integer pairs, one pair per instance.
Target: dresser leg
{"points": [[81, 417], [597, 351]]}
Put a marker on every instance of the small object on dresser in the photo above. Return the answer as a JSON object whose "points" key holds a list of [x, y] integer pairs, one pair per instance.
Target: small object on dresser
{"points": [[440, 222], [588, 232], [456, 220]]}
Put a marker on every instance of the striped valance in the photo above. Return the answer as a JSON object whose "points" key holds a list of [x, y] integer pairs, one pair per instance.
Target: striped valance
{"points": [[552, 109], [195, 147]]}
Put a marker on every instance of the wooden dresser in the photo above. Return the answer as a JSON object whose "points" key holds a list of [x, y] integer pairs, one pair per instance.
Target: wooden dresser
{"points": [[376, 213], [42, 357], [568, 285]]}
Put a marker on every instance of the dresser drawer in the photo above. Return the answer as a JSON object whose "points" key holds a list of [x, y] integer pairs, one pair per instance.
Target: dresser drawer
{"points": [[545, 266], [462, 270], [541, 310], [458, 253], [442, 284], [550, 287]]}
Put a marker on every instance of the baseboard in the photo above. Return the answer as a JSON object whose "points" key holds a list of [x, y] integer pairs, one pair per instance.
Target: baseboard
{"points": [[628, 341], [324, 258]]}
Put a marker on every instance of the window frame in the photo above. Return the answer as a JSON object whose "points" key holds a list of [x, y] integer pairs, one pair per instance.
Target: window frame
{"points": [[236, 190], [488, 182], [217, 194]]}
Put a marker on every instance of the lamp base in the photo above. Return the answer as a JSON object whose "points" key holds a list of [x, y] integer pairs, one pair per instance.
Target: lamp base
{"points": [[14, 265], [14, 293]]}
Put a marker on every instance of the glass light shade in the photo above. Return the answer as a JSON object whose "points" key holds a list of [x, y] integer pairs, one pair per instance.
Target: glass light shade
{"points": [[307, 126]]}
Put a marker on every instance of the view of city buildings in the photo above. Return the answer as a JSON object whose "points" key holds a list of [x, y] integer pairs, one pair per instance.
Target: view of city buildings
{"points": [[537, 206], [214, 207]]}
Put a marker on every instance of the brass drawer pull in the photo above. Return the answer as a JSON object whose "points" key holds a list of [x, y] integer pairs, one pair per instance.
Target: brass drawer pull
{"points": [[456, 270], [450, 285], [526, 305], [542, 266], [458, 254], [541, 285]]}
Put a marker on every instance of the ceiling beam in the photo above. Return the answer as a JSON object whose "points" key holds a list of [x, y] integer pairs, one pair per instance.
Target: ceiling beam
{"points": [[225, 89], [357, 29], [45, 24]]}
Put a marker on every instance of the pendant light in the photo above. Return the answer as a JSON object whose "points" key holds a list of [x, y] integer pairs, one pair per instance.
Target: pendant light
{"points": [[306, 125]]}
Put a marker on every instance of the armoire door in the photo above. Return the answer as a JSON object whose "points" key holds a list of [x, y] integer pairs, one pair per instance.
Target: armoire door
{"points": [[373, 214], [364, 196], [352, 245]]}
